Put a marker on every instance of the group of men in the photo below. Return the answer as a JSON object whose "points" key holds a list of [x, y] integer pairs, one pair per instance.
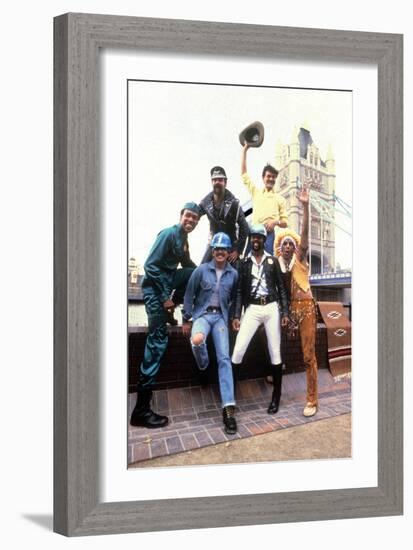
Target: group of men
{"points": [[269, 286]]}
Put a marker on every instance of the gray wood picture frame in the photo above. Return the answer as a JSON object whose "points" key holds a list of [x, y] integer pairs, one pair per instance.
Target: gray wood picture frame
{"points": [[78, 38]]}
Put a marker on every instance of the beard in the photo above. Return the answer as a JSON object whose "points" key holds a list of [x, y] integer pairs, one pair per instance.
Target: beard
{"points": [[218, 189]]}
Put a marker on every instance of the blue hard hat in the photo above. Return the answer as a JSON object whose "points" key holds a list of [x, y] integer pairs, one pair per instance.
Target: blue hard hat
{"points": [[258, 229], [221, 240]]}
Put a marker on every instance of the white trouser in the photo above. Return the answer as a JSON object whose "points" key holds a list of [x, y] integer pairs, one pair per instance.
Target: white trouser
{"points": [[255, 315]]}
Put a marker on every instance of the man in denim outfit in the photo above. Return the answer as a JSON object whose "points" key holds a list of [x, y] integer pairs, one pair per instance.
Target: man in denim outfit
{"points": [[209, 295]]}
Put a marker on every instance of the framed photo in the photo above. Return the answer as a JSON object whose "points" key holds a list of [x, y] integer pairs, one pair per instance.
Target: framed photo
{"points": [[80, 458]]}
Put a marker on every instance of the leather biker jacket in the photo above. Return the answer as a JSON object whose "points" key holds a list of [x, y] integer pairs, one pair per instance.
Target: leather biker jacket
{"points": [[230, 219], [273, 278]]}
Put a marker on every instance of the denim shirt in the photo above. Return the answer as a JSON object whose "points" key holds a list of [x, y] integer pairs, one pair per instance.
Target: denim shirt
{"points": [[201, 285]]}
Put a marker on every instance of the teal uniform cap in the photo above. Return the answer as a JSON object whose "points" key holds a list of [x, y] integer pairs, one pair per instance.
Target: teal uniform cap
{"points": [[192, 206]]}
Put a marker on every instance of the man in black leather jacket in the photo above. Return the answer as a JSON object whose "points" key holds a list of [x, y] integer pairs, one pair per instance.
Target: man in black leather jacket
{"points": [[262, 293], [225, 214]]}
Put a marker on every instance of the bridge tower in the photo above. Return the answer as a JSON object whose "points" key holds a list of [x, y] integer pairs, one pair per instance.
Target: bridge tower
{"points": [[300, 162]]}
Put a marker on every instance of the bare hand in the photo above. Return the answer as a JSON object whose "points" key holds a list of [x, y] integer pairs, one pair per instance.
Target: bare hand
{"points": [[269, 226], [236, 325], [233, 256], [169, 305], [246, 146], [285, 321], [304, 195], [186, 328]]}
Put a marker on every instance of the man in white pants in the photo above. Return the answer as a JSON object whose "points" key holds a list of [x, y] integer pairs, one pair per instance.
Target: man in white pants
{"points": [[262, 293]]}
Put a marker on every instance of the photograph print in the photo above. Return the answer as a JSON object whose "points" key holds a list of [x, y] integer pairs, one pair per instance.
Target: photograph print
{"points": [[239, 273]]}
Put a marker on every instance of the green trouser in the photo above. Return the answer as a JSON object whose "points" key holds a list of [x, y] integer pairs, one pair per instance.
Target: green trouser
{"points": [[157, 339]]}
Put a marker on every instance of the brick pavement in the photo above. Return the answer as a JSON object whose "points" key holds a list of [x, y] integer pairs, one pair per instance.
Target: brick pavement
{"points": [[195, 414]]}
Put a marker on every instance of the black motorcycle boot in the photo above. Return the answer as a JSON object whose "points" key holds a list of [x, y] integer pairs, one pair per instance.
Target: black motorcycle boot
{"points": [[143, 415], [277, 372], [229, 420]]}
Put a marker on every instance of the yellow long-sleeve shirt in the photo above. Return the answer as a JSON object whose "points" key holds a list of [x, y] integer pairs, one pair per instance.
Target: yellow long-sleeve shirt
{"points": [[266, 205]]}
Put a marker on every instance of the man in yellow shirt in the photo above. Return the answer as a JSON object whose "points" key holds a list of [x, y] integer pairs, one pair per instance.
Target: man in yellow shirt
{"points": [[268, 207]]}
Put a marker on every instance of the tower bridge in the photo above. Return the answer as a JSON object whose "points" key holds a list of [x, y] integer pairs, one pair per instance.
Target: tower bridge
{"points": [[300, 162]]}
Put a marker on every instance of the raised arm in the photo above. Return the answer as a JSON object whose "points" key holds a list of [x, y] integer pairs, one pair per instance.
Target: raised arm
{"points": [[244, 158], [245, 177], [304, 198]]}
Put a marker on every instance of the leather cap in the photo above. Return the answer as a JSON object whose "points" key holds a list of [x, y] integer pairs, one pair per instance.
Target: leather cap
{"points": [[253, 134], [218, 172]]}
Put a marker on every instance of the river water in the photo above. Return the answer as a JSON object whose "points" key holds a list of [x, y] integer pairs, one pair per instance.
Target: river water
{"points": [[137, 315]]}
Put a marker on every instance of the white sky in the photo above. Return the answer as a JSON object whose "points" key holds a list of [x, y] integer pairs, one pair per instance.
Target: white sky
{"points": [[177, 132]]}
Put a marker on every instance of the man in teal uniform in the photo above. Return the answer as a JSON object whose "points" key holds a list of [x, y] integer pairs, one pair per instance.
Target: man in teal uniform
{"points": [[163, 288]]}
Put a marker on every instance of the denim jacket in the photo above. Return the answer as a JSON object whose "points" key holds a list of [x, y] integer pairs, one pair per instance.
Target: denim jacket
{"points": [[200, 288]]}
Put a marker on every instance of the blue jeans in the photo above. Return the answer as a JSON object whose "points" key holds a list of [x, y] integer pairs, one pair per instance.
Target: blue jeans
{"points": [[269, 243], [205, 324]]}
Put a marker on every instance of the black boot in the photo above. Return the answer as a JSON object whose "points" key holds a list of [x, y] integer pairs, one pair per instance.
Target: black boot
{"points": [[142, 414], [229, 420], [277, 372]]}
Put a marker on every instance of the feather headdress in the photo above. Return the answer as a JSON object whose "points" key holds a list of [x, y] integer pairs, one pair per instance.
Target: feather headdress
{"points": [[284, 235]]}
